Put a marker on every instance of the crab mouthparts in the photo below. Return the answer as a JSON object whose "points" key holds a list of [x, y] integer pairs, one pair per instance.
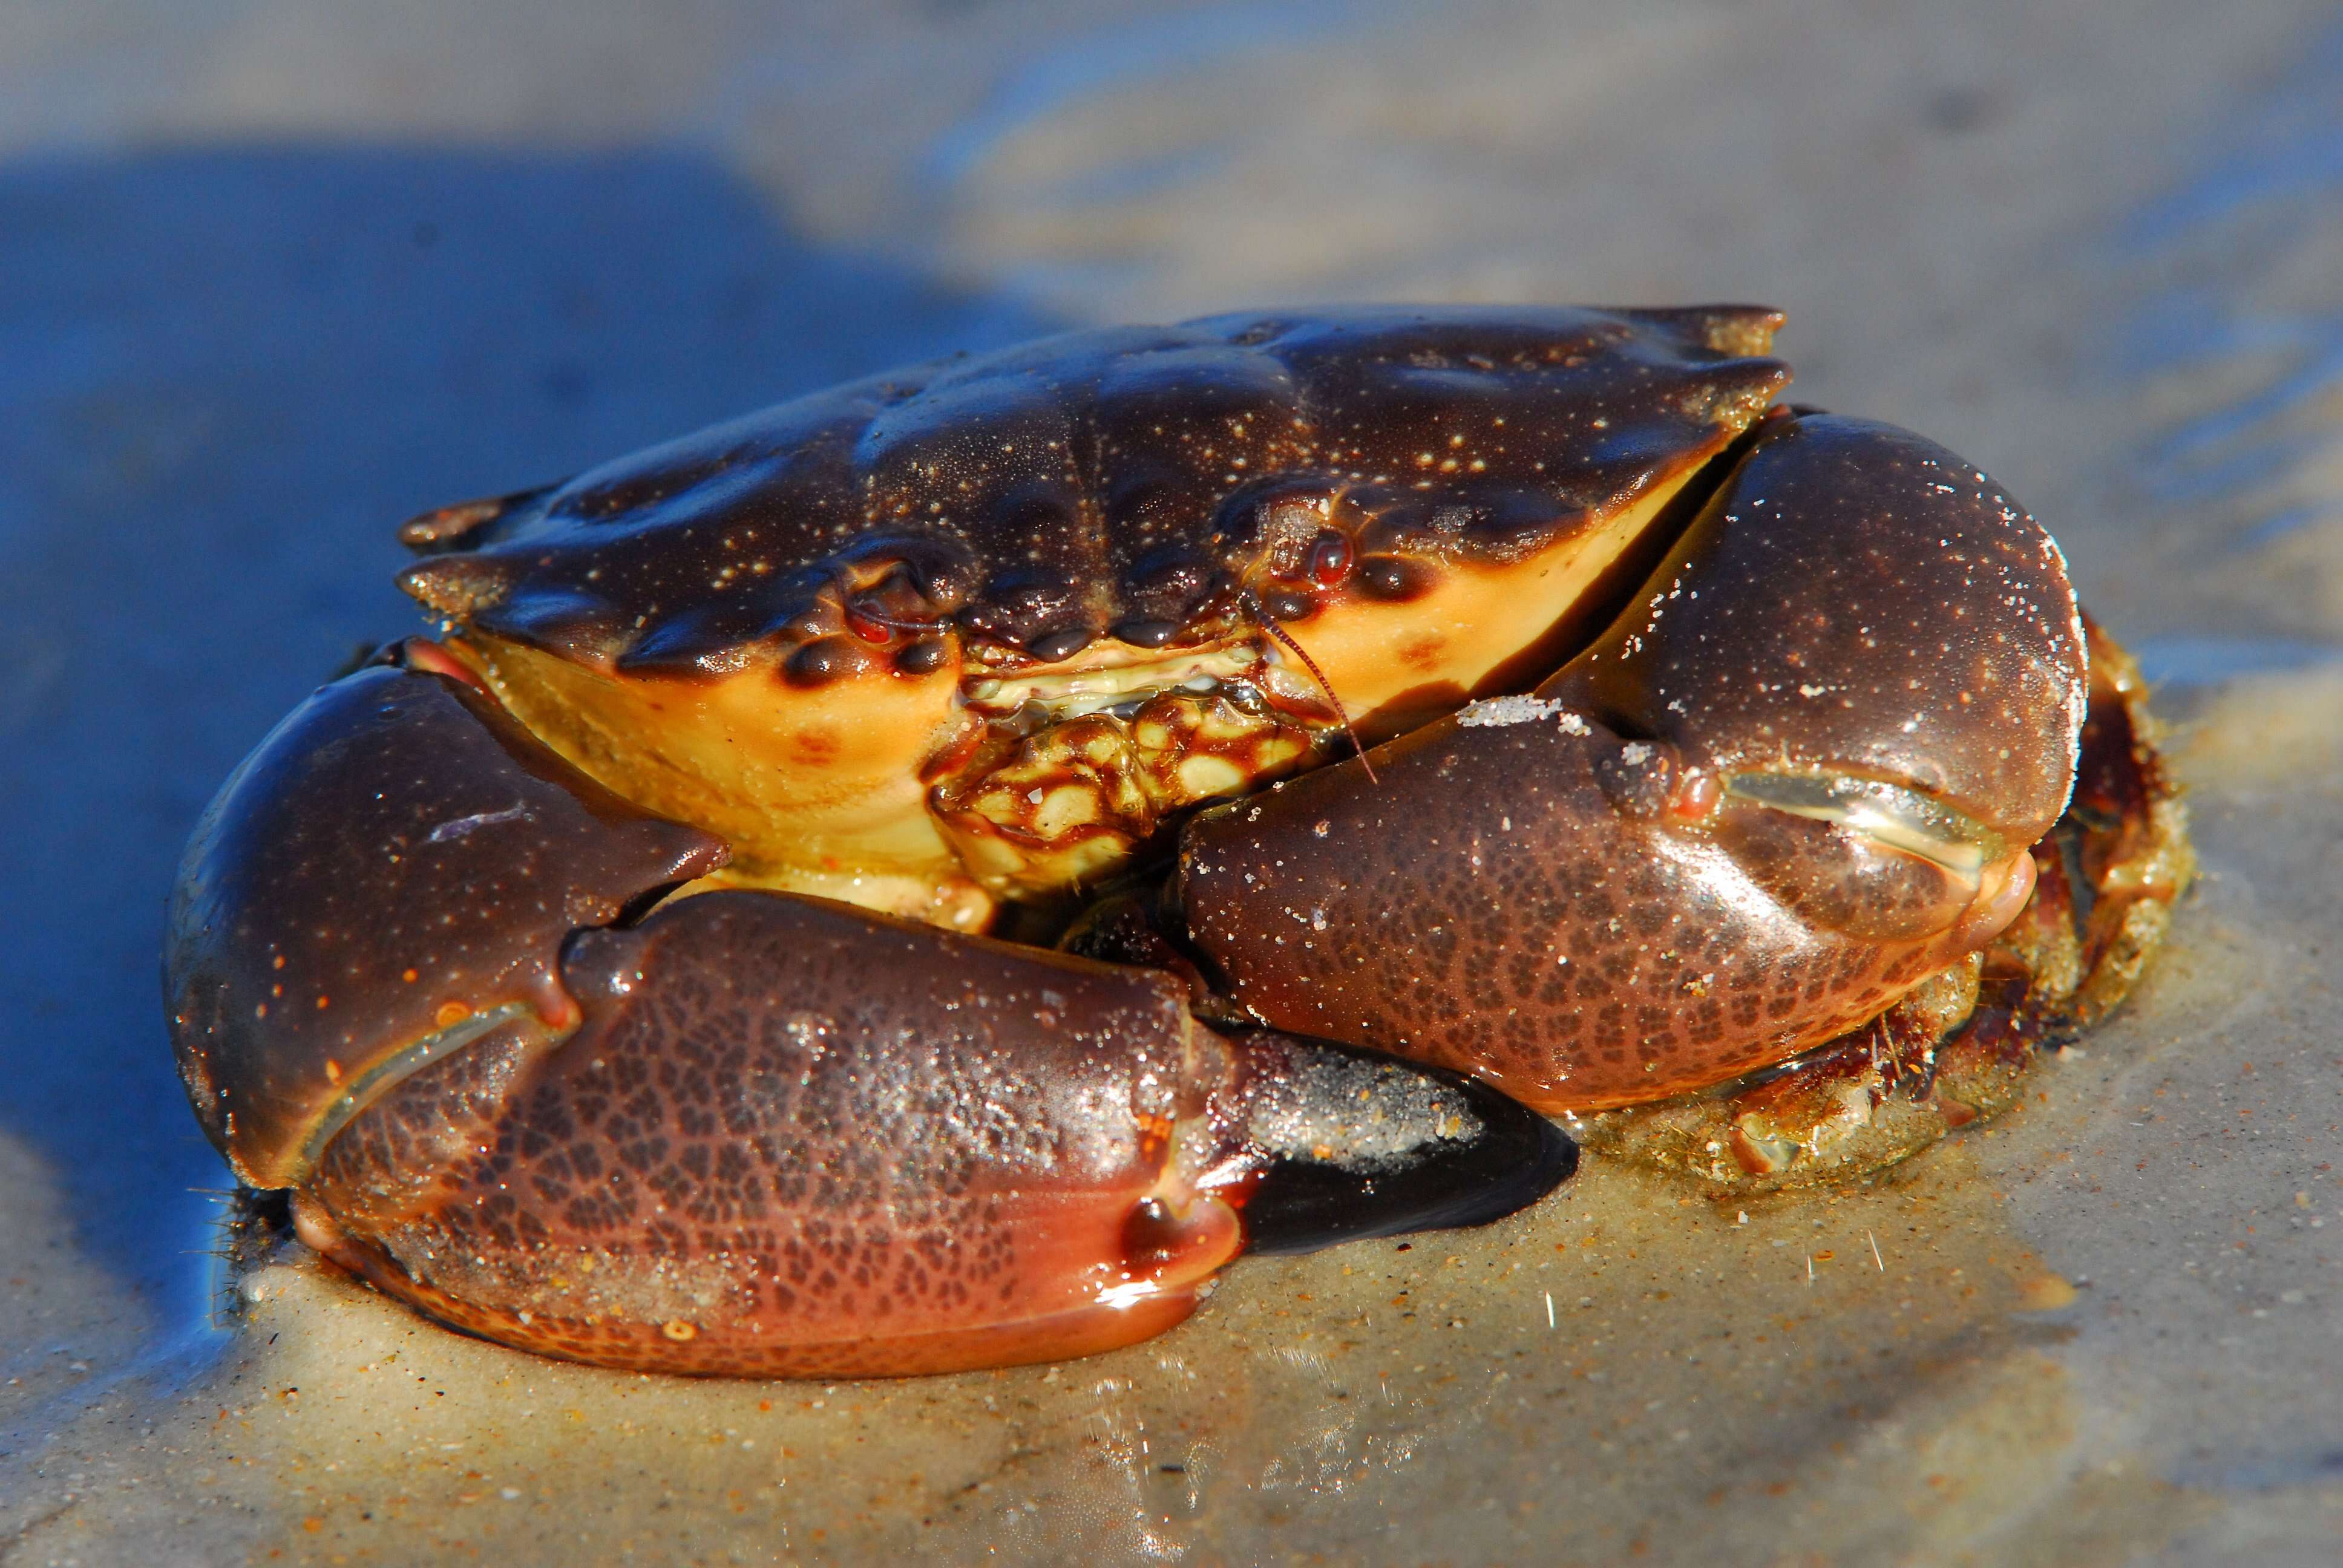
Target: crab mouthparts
{"points": [[1109, 687], [1074, 769]]}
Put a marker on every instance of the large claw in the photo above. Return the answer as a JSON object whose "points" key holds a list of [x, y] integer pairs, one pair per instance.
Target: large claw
{"points": [[389, 874], [751, 1158], [1800, 774], [748, 1133]]}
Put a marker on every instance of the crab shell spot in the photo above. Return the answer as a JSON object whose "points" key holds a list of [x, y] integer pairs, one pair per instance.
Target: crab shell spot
{"points": [[826, 659], [923, 656], [817, 789], [814, 747], [1393, 577], [1052, 647], [1150, 634]]}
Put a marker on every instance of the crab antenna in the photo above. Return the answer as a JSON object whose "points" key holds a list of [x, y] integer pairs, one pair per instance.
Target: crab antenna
{"points": [[893, 623], [1262, 616]]}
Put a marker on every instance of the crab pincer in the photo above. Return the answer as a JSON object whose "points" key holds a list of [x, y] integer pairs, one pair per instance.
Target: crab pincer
{"points": [[745, 1132], [1796, 778]]}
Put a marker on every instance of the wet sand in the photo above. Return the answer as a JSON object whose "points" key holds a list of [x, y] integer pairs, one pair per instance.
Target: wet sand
{"points": [[275, 276]]}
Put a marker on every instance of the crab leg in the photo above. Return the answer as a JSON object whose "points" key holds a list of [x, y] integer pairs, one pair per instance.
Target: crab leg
{"points": [[747, 1131], [1796, 777]]}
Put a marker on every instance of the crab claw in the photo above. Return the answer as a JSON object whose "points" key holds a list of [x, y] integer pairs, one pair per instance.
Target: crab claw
{"points": [[389, 875], [750, 1159], [1798, 776], [410, 977]]}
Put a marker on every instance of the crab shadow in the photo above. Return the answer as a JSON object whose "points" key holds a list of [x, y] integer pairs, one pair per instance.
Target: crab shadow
{"points": [[225, 374]]}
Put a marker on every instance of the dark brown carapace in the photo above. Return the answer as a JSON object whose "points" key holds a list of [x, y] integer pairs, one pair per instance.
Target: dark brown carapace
{"points": [[624, 975]]}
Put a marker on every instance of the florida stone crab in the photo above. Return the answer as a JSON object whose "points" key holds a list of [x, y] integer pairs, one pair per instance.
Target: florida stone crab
{"points": [[1398, 722]]}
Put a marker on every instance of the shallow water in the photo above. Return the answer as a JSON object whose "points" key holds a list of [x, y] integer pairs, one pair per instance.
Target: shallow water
{"points": [[273, 275]]}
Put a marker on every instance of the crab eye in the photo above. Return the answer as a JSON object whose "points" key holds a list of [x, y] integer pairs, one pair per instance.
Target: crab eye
{"points": [[1886, 814], [1330, 560], [867, 622]]}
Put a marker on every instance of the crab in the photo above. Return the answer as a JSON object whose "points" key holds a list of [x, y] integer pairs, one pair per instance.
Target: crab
{"points": [[922, 876]]}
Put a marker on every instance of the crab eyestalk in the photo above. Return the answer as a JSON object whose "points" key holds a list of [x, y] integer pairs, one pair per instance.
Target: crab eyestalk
{"points": [[745, 1132], [1798, 776]]}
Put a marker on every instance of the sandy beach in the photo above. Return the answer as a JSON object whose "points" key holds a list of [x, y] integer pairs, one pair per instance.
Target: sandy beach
{"points": [[275, 276]]}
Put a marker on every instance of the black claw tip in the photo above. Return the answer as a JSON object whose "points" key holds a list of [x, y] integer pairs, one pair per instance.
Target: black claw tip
{"points": [[1356, 1145]]}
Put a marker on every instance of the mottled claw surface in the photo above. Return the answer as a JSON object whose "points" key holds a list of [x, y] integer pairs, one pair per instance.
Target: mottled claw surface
{"points": [[1959, 1047], [624, 977], [751, 1131], [1737, 825], [1000, 1156]]}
